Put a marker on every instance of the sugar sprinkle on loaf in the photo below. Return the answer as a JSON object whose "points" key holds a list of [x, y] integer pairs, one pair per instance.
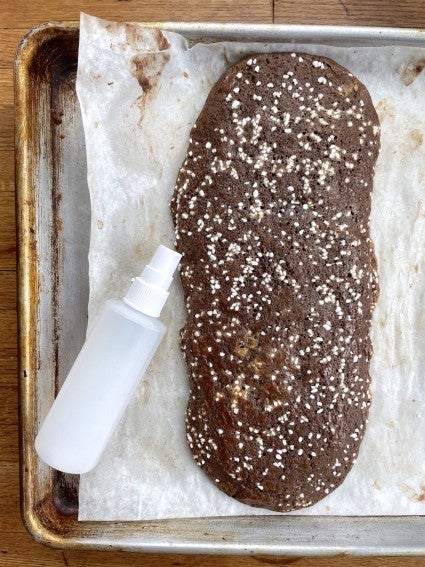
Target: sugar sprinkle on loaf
{"points": [[271, 210]]}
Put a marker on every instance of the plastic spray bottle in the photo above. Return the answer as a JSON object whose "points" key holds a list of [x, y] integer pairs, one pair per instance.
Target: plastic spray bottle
{"points": [[107, 371]]}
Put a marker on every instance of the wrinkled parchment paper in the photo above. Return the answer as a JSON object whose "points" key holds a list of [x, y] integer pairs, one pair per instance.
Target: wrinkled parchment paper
{"points": [[140, 92]]}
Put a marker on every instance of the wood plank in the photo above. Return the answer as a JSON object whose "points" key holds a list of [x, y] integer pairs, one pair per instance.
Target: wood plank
{"points": [[9, 443], [8, 340], [410, 13], [7, 289], [9, 483], [8, 366], [6, 87], [8, 232], [6, 124], [9, 40], [7, 171], [8, 328], [38, 11]]}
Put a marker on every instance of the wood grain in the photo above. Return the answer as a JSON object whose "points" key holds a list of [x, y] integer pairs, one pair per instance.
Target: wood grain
{"points": [[17, 548], [408, 13], [10, 39], [7, 230], [38, 11], [7, 171], [7, 293]]}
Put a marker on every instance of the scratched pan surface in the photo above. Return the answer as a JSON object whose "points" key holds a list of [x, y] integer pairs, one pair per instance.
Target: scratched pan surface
{"points": [[53, 211]]}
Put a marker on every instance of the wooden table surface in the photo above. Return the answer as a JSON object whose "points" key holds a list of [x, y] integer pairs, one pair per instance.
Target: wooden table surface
{"points": [[16, 16]]}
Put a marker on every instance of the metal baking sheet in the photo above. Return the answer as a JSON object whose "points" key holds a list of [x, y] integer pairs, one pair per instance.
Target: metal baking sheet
{"points": [[53, 212]]}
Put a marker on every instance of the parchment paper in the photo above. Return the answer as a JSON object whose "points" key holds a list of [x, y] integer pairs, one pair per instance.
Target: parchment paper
{"points": [[138, 105]]}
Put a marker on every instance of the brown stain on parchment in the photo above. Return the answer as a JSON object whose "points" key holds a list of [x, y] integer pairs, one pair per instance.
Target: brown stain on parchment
{"points": [[151, 39], [416, 138], [412, 494], [145, 392], [385, 109], [132, 33], [409, 72], [147, 69], [151, 46], [161, 40]]}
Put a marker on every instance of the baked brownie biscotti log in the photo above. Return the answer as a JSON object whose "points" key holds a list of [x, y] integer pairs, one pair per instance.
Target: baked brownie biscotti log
{"points": [[271, 211]]}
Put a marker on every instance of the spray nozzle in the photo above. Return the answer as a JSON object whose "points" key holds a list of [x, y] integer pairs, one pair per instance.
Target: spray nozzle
{"points": [[149, 291]]}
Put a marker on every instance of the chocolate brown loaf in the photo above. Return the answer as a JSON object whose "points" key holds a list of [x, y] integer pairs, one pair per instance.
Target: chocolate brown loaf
{"points": [[271, 211]]}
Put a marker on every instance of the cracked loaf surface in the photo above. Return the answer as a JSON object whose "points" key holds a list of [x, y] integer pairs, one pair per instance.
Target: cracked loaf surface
{"points": [[271, 211]]}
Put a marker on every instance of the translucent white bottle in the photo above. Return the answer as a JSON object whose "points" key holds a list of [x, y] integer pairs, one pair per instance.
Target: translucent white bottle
{"points": [[107, 371]]}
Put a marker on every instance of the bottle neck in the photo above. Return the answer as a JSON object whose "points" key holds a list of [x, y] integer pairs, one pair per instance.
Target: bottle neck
{"points": [[146, 297]]}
